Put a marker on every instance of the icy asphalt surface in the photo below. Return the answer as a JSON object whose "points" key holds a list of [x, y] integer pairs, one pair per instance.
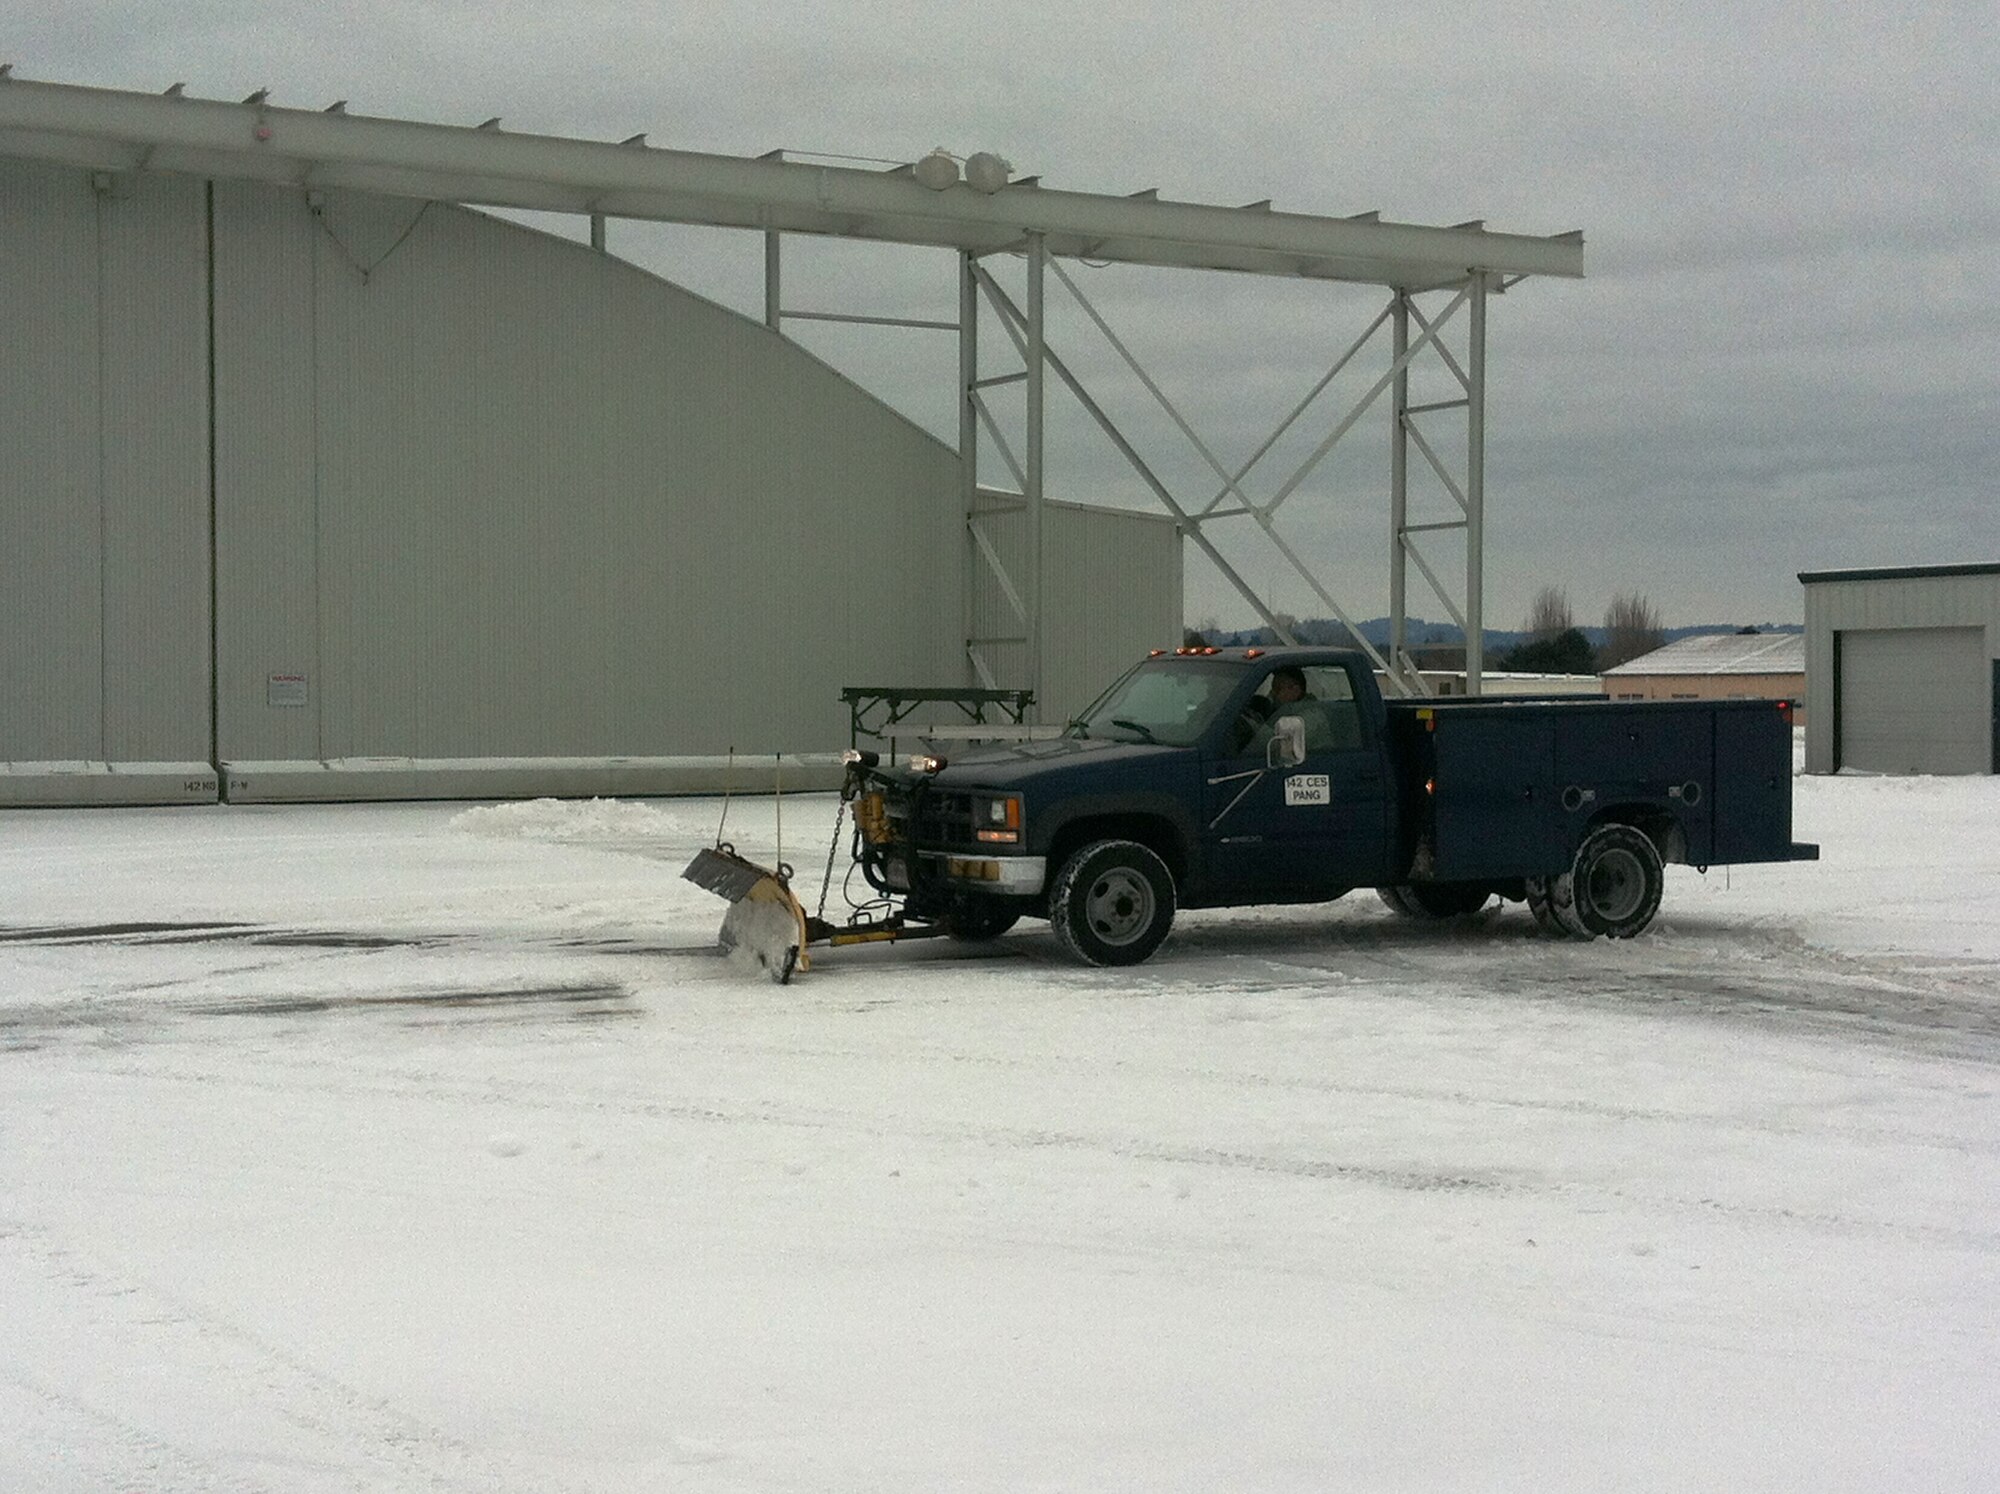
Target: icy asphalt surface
{"points": [[395, 1148]]}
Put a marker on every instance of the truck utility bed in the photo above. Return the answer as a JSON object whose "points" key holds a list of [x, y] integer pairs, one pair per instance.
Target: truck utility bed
{"points": [[1502, 787]]}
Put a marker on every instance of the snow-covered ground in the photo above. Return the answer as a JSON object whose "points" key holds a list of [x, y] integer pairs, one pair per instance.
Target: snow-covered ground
{"points": [[396, 1147]]}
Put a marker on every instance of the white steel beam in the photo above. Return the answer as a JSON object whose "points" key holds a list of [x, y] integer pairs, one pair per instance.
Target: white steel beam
{"points": [[116, 130]]}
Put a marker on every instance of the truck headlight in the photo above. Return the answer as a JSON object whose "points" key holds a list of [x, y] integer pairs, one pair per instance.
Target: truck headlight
{"points": [[998, 821]]}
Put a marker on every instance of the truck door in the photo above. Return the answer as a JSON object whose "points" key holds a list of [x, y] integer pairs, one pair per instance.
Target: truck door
{"points": [[1320, 826]]}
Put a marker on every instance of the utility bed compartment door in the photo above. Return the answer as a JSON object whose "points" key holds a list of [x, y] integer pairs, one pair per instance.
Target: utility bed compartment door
{"points": [[1753, 786], [1659, 756], [1634, 752], [1494, 812]]}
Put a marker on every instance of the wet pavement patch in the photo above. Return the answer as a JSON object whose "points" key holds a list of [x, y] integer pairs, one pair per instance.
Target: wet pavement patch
{"points": [[477, 996], [90, 933]]}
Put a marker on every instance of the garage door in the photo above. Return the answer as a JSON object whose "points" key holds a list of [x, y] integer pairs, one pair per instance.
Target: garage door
{"points": [[1913, 700]]}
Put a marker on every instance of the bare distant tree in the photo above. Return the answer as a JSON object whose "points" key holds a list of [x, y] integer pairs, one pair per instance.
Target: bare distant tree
{"points": [[1632, 627], [1549, 616]]}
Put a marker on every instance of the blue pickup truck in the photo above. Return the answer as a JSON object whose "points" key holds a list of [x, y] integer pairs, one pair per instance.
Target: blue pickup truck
{"points": [[1220, 778]]}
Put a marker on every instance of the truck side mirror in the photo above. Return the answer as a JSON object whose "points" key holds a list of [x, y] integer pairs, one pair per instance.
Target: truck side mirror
{"points": [[1287, 747]]}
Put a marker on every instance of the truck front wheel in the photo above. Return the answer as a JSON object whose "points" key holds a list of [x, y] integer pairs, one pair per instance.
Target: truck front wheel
{"points": [[1113, 903], [1436, 899], [974, 920], [1612, 889]]}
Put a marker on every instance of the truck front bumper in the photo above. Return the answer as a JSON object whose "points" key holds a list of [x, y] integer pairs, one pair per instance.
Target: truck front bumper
{"points": [[1006, 876]]}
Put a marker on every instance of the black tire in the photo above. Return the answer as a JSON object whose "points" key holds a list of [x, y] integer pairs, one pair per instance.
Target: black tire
{"points": [[1541, 904], [977, 919], [1113, 903], [1435, 900], [1615, 883]]}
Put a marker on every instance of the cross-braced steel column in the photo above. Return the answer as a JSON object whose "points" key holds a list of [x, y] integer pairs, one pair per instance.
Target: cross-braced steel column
{"points": [[1466, 488], [1038, 260], [1399, 497], [968, 450], [1475, 493], [1005, 526], [997, 517]]}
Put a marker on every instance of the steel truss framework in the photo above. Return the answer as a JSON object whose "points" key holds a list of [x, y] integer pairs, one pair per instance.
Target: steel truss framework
{"points": [[1025, 328], [1023, 320], [115, 132]]}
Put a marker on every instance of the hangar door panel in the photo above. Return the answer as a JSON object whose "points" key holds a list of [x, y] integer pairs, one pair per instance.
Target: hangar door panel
{"points": [[1913, 700]]}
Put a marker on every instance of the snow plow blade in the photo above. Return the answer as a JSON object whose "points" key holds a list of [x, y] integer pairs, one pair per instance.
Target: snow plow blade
{"points": [[764, 920]]}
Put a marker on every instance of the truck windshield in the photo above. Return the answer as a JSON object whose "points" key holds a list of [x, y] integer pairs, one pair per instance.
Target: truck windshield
{"points": [[1172, 702]]}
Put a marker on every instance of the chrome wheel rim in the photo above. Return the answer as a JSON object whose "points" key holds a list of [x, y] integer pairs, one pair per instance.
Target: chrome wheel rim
{"points": [[1120, 906]]}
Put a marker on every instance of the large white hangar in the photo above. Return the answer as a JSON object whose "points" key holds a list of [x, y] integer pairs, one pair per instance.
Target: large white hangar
{"points": [[323, 483], [1903, 669]]}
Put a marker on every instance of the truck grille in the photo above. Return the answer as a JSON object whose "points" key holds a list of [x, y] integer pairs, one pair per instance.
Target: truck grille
{"points": [[944, 821]]}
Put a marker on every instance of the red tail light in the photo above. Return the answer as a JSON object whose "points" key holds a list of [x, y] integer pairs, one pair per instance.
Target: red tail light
{"points": [[1785, 711]]}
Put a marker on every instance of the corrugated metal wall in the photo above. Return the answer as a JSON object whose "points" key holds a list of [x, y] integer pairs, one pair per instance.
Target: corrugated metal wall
{"points": [[104, 644], [1111, 590], [493, 494], [1886, 603], [478, 492]]}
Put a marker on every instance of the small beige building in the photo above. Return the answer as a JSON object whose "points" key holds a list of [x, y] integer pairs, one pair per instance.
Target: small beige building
{"points": [[1716, 666]]}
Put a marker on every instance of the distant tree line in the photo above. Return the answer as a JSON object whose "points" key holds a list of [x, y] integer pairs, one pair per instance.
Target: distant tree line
{"points": [[1556, 645], [1550, 641]]}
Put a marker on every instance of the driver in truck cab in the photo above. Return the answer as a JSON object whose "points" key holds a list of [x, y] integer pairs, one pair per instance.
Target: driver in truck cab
{"points": [[1286, 690]]}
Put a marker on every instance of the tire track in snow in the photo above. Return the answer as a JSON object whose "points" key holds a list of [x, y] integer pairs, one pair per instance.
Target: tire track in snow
{"points": [[119, 1454], [368, 1442], [518, 1094], [1818, 1129]]}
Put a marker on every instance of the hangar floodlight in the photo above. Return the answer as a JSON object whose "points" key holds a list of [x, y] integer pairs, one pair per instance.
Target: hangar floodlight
{"points": [[938, 170], [986, 172]]}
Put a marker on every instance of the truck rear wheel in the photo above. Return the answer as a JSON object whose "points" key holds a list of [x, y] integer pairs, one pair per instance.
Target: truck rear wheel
{"points": [[1612, 889], [1542, 892], [1617, 881], [1113, 903]]}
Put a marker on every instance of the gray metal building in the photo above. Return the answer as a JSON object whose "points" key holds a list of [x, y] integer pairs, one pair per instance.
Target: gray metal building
{"points": [[1903, 669], [323, 483], [337, 494]]}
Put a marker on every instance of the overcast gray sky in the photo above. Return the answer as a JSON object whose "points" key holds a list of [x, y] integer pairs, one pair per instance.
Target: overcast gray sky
{"points": [[1783, 355]]}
